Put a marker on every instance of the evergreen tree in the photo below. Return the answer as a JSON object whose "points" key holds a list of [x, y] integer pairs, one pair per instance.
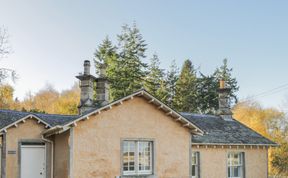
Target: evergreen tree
{"points": [[208, 85], [225, 73], [154, 78], [207, 98], [186, 89], [171, 79], [105, 51], [130, 68], [106, 55]]}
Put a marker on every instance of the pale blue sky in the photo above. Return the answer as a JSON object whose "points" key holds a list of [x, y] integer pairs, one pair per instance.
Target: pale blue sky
{"points": [[51, 38]]}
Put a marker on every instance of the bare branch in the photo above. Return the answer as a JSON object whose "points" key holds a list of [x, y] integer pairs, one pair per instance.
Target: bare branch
{"points": [[5, 49], [4, 43]]}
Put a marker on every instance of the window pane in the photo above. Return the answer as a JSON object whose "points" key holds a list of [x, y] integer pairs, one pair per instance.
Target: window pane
{"points": [[137, 157], [194, 158], [235, 168], [195, 164], [144, 156], [128, 156], [229, 173], [193, 170]]}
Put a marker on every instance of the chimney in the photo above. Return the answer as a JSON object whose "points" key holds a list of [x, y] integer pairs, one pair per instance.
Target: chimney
{"points": [[87, 67], [102, 87], [224, 109], [87, 89]]}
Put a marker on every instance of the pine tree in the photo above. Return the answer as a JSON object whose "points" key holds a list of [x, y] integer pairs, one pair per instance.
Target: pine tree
{"points": [[225, 73], [207, 99], [186, 89], [171, 79], [154, 78], [130, 68], [103, 54]]}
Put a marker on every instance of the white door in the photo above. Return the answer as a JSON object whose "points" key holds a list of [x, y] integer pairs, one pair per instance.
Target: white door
{"points": [[33, 161]]}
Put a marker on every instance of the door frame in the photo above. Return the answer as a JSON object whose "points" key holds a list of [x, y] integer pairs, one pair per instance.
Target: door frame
{"points": [[31, 143]]}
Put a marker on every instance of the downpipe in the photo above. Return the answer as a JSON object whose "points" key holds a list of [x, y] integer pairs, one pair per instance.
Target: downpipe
{"points": [[52, 153]]}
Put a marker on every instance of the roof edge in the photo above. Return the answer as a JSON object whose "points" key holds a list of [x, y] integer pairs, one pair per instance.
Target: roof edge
{"points": [[4, 129], [234, 144], [153, 100]]}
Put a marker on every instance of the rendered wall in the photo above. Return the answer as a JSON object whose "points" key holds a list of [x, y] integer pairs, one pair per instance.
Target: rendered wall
{"points": [[97, 141], [213, 162], [61, 155], [30, 130]]}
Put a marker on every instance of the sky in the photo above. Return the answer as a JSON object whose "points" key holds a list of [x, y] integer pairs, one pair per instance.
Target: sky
{"points": [[51, 39]]}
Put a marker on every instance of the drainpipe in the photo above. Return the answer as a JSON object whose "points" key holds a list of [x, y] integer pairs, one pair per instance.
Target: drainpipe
{"points": [[3, 157], [52, 153]]}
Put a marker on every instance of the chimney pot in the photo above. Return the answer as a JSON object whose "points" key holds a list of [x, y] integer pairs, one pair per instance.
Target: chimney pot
{"points": [[86, 67], [222, 84]]}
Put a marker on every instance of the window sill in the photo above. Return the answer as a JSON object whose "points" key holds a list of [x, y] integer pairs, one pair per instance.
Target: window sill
{"points": [[139, 176]]}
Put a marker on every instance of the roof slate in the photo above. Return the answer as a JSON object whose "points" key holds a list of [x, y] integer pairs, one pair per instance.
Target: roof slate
{"points": [[219, 131], [8, 117]]}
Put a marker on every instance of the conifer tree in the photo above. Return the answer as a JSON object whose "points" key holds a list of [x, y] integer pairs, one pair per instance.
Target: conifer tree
{"points": [[171, 79], [208, 85], [154, 78], [130, 68], [103, 54], [207, 98], [186, 89], [225, 73]]}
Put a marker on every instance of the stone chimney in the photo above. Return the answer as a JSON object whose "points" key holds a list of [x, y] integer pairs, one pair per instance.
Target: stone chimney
{"points": [[102, 87], [87, 82], [224, 109]]}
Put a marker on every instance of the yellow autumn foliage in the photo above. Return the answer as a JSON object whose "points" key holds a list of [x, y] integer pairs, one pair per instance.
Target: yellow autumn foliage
{"points": [[269, 122]]}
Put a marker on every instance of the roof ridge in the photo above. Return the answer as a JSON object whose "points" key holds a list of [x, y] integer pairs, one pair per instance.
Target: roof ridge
{"points": [[198, 114]]}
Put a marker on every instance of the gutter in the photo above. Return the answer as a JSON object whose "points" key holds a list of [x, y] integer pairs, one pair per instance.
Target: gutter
{"points": [[234, 144], [52, 130]]}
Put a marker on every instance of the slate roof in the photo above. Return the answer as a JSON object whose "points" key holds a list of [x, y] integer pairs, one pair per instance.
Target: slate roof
{"points": [[219, 131], [8, 117]]}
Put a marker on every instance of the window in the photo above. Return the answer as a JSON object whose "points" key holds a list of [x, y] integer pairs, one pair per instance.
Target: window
{"points": [[195, 165], [235, 165], [137, 157]]}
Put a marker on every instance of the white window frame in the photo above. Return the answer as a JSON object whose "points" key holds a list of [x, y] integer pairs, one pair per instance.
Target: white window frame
{"points": [[241, 164], [136, 158], [195, 154]]}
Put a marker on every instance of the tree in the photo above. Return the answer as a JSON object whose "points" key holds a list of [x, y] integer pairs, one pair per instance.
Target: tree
{"points": [[4, 51], [6, 96], [43, 100], [48, 100], [127, 71], [103, 54], [207, 86], [270, 123], [154, 80], [4, 47], [225, 73], [68, 101], [186, 89], [171, 79], [207, 95]]}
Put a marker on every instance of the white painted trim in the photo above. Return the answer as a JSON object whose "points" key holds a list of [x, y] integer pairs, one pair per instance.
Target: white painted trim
{"points": [[231, 144]]}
